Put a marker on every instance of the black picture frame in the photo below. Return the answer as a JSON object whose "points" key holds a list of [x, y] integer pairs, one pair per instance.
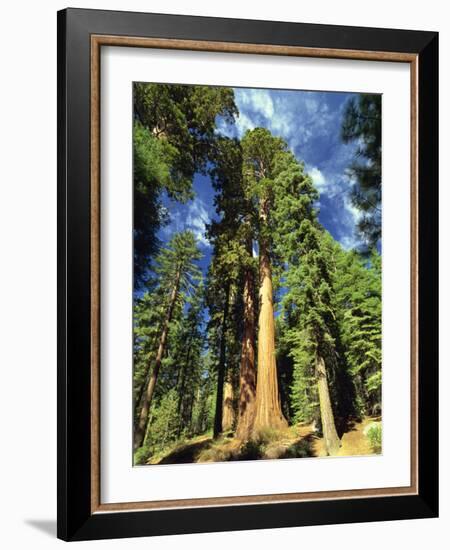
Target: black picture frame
{"points": [[75, 518]]}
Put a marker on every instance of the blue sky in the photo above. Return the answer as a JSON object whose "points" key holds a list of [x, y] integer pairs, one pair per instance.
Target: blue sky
{"points": [[310, 124]]}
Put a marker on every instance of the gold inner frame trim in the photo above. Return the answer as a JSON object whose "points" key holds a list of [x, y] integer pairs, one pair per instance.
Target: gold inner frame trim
{"points": [[97, 41]]}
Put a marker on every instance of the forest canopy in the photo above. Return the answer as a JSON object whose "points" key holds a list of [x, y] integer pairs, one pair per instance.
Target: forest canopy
{"points": [[257, 262]]}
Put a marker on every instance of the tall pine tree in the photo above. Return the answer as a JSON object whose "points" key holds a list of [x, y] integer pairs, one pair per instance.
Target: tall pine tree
{"points": [[177, 273]]}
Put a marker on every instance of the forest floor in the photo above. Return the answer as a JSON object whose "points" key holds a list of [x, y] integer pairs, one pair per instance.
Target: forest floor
{"points": [[298, 441]]}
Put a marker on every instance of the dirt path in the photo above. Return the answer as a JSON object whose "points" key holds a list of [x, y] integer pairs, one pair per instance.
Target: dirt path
{"points": [[353, 442]]}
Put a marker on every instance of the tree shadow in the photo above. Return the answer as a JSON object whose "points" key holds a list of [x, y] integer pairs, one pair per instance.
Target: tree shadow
{"points": [[187, 453], [47, 526], [344, 425], [303, 448]]}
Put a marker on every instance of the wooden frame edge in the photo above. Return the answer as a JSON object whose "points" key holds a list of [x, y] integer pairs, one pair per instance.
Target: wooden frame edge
{"points": [[231, 47], [95, 273], [236, 47]]}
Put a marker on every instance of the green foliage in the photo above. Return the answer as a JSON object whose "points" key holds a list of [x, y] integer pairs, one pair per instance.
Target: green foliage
{"points": [[174, 133], [163, 428], [358, 293], [373, 382], [375, 435], [303, 391], [184, 116], [164, 425], [262, 153], [362, 123], [141, 456], [152, 173]]}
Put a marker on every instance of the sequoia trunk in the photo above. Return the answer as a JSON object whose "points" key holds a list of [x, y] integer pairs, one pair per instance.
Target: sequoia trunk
{"points": [[332, 442], [247, 375], [141, 427], [268, 406]]}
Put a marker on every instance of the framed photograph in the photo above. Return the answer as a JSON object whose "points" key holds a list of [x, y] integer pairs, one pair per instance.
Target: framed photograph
{"points": [[247, 274]]}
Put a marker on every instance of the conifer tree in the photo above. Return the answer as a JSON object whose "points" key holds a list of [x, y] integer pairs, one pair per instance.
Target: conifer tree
{"points": [[147, 320], [312, 318], [204, 406], [308, 301], [187, 359], [177, 273], [174, 132], [358, 294], [362, 123]]}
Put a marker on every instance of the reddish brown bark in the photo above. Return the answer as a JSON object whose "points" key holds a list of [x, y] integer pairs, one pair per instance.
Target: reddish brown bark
{"points": [[247, 375], [268, 406]]}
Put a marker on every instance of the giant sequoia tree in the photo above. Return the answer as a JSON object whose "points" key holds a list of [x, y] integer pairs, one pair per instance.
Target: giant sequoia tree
{"points": [[176, 271], [260, 153]]}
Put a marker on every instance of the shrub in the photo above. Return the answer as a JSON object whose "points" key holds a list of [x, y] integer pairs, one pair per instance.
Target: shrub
{"points": [[141, 456], [374, 435], [214, 454], [251, 450], [301, 449]]}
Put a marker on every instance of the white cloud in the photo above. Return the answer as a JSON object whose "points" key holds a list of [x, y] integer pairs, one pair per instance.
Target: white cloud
{"points": [[354, 212], [318, 179], [257, 100], [243, 123], [330, 186], [349, 242], [349, 218], [296, 117], [224, 128], [196, 220], [312, 106]]}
